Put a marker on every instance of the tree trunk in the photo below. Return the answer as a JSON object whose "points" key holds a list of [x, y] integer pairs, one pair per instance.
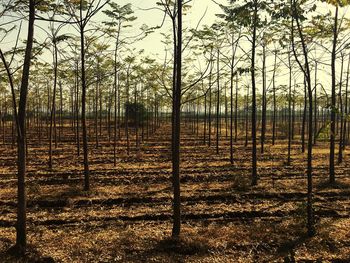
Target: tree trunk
{"points": [[210, 102], [53, 109], [289, 109], [304, 120], [115, 110], [340, 152], [315, 105], [218, 103], [263, 108], [274, 101], [83, 110], [333, 101], [176, 129], [346, 105], [254, 157], [21, 235], [306, 71]]}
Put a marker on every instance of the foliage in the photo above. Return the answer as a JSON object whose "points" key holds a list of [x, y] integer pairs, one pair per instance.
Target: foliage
{"points": [[136, 112]]}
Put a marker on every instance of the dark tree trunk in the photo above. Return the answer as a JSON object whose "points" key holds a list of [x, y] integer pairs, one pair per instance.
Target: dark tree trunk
{"points": [[61, 113], [231, 116], [333, 101], [83, 110], [96, 113], [176, 128], [340, 152], [236, 110], [53, 108], [307, 75], [205, 118], [274, 101], [115, 110], [315, 105], [346, 105], [254, 153], [21, 235], [304, 120], [289, 109], [218, 104], [77, 110], [127, 111], [246, 118], [210, 102], [263, 108]]}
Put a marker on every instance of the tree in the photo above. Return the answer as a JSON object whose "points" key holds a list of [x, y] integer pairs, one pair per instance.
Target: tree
{"points": [[305, 68], [175, 11], [120, 16], [21, 231], [324, 30], [55, 38], [82, 13], [176, 125], [248, 14], [333, 101]]}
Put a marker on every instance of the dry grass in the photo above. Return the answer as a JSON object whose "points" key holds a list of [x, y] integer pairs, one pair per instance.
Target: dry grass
{"points": [[127, 215]]}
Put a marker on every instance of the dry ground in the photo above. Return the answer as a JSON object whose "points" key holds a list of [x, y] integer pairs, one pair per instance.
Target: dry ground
{"points": [[127, 215]]}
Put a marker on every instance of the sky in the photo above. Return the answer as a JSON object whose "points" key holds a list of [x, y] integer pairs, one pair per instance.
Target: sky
{"points": [[152, 44], [147, 14]]}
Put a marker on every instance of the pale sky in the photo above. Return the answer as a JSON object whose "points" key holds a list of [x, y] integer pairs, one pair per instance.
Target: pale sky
{"points": [[152, 44]]}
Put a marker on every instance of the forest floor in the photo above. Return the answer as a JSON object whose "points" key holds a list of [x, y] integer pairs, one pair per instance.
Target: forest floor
{"points": [[126, 217]]}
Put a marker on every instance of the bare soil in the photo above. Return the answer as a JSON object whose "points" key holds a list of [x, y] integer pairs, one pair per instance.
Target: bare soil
{"points": [[126, 217]]}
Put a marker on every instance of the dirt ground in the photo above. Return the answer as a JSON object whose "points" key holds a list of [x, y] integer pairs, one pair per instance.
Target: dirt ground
{"points": [[126, 217]]}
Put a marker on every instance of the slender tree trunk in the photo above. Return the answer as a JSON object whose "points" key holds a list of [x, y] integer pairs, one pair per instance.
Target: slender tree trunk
{"points": [[205, 118], [304, 120], [346, 105], [77, 110], [231, 99], [127, 111], [307, 75], [83, 110], [96, 114], [210, 102], [226, 113], [176, 129], [254, 153], [231, 116], [115, 111], [340, 152], [61, 112], [290, 109], [263, 108], [236, 110], [293, 111], [53, 109], [333, 101], [247, 118], [315, 106], [21, 234], [218, 103], [274, 100]]}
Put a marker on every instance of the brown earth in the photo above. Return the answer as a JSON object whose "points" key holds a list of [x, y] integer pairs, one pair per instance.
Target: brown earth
{"points": [[127, 215]]}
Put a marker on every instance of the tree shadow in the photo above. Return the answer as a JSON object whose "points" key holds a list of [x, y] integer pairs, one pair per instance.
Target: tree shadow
{"points": [[11, 254], [175, 249], [287, 248], [71, 192], [182, 246], [328, 185]]}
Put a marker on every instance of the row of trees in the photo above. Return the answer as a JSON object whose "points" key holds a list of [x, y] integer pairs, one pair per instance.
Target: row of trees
{"points": [[256, 18], [255, 62]]}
